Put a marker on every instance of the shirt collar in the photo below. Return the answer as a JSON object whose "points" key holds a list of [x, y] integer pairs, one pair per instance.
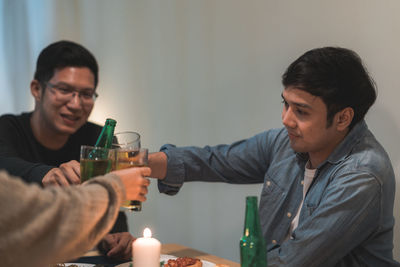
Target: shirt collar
{"points": [[344, 148]]}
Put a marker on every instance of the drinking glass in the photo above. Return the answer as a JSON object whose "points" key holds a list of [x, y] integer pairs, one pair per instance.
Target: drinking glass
{"points": [[126, 140], [95, 161], [127, 158], [128, 154]]}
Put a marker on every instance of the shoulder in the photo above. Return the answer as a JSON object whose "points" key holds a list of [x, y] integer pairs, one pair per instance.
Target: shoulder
{"points": [[368, 155], [271, 145], [8, 122], [272, 135], [87, 134], [274, 140], [89, 128], [367, 162], [7, 118]]}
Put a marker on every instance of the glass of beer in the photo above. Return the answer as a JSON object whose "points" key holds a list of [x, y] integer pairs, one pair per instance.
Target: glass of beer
{"points": [[95, 161], [126, 140], [128, 154]]}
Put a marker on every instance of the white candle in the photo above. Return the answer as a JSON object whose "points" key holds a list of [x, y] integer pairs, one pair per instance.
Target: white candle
{"points": [[146, 251]]}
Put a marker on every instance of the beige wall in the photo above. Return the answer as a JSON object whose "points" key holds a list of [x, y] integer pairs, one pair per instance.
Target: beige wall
{"points": [[208, 72]]}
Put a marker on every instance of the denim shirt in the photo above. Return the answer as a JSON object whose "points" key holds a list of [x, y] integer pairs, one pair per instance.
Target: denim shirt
{"points": [[347, 215]]}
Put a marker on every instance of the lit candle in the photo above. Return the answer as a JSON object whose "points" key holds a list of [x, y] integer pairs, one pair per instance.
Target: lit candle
{"points": [[146, 251]]}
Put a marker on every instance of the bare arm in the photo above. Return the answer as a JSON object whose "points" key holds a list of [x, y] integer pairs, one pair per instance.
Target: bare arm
{"points": [[158, 165]]}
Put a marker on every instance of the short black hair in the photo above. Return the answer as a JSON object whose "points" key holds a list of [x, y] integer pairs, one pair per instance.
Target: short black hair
{"points": [[63, 54], [338, 76]]}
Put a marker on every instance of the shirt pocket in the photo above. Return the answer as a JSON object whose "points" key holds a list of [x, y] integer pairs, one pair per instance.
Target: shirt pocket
{"points": [[271, 189], [271, 208], [310, 208]]}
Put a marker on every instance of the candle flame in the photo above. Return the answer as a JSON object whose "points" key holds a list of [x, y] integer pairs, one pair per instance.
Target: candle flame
{"points": [[147, 232]]}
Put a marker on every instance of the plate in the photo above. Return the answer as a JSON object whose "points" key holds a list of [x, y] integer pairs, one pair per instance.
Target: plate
{"points": [[79, 264], [164, 257]]}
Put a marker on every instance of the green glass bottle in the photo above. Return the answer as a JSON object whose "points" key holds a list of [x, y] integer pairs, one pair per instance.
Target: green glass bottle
{"points": [[99, 159], [253, 252], [105, 138]]}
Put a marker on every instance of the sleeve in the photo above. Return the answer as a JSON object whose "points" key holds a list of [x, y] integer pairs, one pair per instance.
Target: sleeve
{"points": [[28, 171], [346, 215], [242, 162], [55, 224], [13, 140]]}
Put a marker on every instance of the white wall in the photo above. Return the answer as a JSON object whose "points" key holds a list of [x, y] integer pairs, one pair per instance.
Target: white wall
{"points": [[208, 72]]}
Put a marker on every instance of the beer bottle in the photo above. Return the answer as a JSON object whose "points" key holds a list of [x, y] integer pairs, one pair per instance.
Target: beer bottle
{"points": [[99, 160], [105, 138], [253, 252]]}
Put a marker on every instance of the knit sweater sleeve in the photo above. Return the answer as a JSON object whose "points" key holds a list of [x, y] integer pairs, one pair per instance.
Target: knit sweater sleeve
{"points": [[42, 226]]}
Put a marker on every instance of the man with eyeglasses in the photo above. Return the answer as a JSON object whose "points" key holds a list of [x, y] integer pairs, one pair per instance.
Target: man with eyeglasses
{"points": [[43, 146]]}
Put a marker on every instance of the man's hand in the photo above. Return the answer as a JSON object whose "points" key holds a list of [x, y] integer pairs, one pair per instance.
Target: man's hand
{"points": [[68, 173], [117, 246], [135, 182]]}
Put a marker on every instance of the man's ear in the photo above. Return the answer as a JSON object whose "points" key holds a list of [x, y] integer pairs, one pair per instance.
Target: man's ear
{"points": [[36, 90], [344, 118]]}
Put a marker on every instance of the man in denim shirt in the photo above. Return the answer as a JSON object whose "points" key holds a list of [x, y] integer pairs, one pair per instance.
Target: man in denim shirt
{"points": [[328, 185]]}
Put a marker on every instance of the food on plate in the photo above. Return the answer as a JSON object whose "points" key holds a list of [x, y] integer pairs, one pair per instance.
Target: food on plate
{"points": [[74, 265], [63, 265], [184, 262], [221, 265]]}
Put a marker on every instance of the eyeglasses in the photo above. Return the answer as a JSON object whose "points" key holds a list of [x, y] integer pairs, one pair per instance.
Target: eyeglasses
{"points": [[66, 93]]}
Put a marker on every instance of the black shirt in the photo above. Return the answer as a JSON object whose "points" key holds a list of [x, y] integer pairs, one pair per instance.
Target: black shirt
{"points": [[30, 160], [23, 156]]}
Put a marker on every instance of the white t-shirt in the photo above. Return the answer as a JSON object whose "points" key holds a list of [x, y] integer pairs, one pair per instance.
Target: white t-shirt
{"points": [[308, 178]]}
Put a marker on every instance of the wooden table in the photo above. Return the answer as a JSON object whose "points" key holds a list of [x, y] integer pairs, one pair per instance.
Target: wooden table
{"points": [[182, 251]]}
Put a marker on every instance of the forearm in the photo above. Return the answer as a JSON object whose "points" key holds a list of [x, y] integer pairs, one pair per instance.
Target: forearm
{"points": [[56, 224], [28, 171], [236, 163], [158, 164]]}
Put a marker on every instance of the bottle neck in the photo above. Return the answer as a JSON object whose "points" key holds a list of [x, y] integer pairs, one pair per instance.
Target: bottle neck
{"points": [[106, 136], [252, 223]]}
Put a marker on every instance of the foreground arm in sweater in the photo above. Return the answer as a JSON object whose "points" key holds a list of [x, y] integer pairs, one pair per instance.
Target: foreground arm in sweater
{"points": [[41, 226]]}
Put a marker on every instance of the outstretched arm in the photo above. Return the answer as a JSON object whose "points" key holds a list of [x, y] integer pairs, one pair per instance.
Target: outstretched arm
{"points": [[60, 223]]}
